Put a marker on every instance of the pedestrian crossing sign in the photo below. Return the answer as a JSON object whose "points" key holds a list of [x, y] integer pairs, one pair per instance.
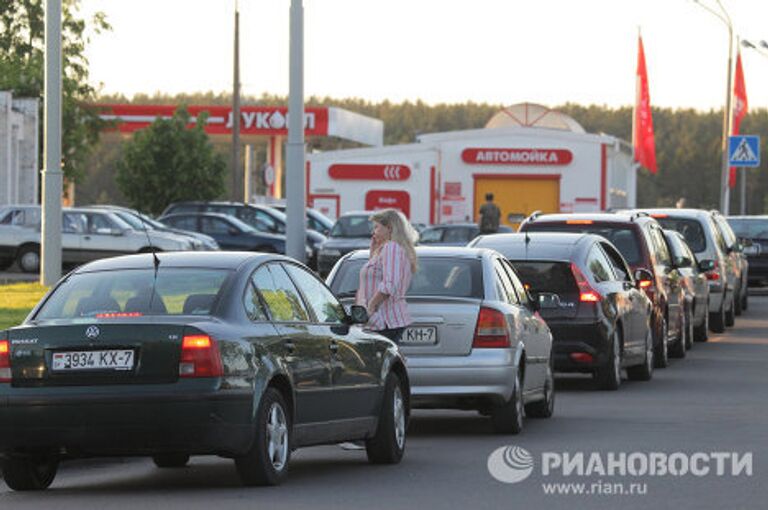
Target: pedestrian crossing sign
{"points": [[744, 150]]}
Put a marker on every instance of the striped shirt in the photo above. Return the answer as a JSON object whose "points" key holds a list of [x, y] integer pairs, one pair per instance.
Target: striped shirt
{"points": [[388, 272]]}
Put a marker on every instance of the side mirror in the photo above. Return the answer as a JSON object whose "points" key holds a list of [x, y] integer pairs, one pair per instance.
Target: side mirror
{"points": [[534, 301], [706, 265], [358, 314], [683, 262], [643, 278], [233, 231]]}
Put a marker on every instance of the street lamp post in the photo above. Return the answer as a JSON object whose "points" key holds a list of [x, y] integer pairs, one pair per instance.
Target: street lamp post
{"points": [[761, 48], [727, 114]]}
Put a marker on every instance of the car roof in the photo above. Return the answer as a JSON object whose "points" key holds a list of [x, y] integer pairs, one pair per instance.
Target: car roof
{"points": [[678, 213], [199, 213], [598, 217], [357, 213], [435, 251], [545, 245], [197, 259]]}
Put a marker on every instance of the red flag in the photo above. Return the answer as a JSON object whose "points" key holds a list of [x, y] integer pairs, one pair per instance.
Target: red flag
{"points": [[740, 107], [642, 132]]}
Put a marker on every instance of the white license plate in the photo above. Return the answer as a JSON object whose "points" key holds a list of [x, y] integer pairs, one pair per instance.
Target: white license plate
{"points": [[93, 360], [423, 335]]}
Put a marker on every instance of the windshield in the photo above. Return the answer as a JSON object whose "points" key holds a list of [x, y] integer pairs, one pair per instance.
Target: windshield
{"points": [[622, 237], [131, 220], [435, 276], [128, 292], [750, 228], [352, 226], [692, 231]]}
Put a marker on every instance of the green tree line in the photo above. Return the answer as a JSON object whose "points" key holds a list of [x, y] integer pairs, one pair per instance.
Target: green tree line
{"points": [[687, 141]]}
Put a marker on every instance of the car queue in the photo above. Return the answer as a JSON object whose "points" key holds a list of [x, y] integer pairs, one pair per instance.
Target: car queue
{"points": [[251, 355]]}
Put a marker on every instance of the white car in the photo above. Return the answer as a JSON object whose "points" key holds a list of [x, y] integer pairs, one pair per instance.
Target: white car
{"points": [[87, 234]]}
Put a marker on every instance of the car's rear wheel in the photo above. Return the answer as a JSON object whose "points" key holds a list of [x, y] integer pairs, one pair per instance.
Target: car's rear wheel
{"points": [[701, 332], [266, 463], [717, 319], [608, 377], [730, 315], [689, 330], [388, 445], [644, 371], [737, 302], [170, 460], [544, 408], [5, 264], [508, 417], [678, 348], [30, 473], [661, 354], [29, 259], [745, 299]]}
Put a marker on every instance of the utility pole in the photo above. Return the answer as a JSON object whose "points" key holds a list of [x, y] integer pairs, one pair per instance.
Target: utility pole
{"points": [[237, 174], [50, 235], [295, 156]]}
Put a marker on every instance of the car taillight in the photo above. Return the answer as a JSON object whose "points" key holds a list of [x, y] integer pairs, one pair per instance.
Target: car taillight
{"points": [[713, 274], [644, 284], [491, 329], [5, 361], [200, 357], [586, 293]]}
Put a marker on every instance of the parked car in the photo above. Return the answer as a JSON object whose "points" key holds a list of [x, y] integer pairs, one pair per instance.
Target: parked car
{"points": [[640, 240], [22, 215], [242, 355], [476, 341], [592, 302], [262, 218], [352, 231], [229, 232], [737, 261], [316, 220], [87, 234], [139, 221], [453, 234], [706, 241], [695, 284], [752, 232]]}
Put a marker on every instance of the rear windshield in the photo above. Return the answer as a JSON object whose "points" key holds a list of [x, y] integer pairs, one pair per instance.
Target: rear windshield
{"points": [[751, 229], [692, 231], [352, 226], [108, 294], [623, 238], [550, 277], [436, 276]]}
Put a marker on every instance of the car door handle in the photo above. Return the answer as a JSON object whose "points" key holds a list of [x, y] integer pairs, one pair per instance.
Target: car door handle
{"points": [[334, 347]]}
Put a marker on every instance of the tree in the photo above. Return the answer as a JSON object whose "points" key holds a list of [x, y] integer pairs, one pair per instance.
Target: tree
{"points": [[22, 46], [168, 162]]}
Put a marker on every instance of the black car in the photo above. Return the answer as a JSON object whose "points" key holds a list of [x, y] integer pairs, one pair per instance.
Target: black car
{"points": [[262, 218], [591, 301], [316, 220], [640, 240], [752, 232], [242, 355], [454, 234], [229, 232], [352, 231]]}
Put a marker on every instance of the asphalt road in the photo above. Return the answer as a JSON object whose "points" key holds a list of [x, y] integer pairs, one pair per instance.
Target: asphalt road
{"points": [[713, 401]]}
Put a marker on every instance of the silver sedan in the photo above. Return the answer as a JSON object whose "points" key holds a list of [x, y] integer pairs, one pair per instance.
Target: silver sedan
{"points": [[476, 341]]}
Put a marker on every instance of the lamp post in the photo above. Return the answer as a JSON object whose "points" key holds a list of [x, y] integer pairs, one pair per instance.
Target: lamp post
{"points": [[762, 49], [727, 114]]}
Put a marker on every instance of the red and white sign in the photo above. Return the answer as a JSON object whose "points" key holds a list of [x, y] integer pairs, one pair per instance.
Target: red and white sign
{"points": [[452, 189], [254, 120], [388, 199], [516, 156], [369, 172]]}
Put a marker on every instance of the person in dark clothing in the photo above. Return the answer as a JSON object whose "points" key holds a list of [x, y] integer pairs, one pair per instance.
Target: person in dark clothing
{"points": [[489, 216]]}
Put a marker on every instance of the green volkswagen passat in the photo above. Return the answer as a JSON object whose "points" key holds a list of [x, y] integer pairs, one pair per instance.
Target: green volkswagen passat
{"points": [[243, 355]]}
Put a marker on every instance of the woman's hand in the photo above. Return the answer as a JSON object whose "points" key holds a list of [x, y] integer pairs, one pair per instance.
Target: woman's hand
{"points": [[375, 244]]}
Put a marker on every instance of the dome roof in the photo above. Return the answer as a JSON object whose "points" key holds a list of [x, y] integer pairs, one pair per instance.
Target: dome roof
{"points": [[534, 115]]}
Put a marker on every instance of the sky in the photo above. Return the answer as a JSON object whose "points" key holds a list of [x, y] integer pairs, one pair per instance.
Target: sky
{"points": [[496, 51]]}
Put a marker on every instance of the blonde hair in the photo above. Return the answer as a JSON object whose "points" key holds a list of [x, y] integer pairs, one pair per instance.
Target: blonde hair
{"points": [[402, 232]]}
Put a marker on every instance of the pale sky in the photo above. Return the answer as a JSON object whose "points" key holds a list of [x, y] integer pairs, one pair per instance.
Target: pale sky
{"points": [[497, 51]]}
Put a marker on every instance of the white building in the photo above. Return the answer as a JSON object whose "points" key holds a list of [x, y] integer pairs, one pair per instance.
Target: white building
{"points": [[531, 158], [18, 150]]}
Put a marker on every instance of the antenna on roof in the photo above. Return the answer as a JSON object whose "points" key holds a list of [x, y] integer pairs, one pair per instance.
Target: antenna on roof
{"points": [[155, 262]]}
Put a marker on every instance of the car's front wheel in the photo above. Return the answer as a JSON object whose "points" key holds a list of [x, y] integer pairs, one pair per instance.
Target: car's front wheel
{"points": [[266, 463], [30, 473], [388, 445], [29, 259]]}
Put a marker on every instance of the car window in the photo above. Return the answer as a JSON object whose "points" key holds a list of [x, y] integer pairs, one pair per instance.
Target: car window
{"points": [[73, 223], [183, 222], [184, 208], [598, 265], [618, 265], [352, 226], [431, 235], [253, 305], [12, 217], [269, 221], [99, 223], [279, 294], [229, 210], [624, 238], [692, 231], [508, 288], [660, 249], [456, 235], [719, 240], [520, 289], [753, 228], [215, 226], [323, 303], [725, 230]]}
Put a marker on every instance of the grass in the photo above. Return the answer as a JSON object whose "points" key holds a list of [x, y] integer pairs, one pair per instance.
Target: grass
{"points": [[16, 300]]}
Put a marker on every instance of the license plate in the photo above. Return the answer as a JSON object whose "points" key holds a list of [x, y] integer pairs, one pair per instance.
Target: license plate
{"points": [[423, 335], [93, 360]]}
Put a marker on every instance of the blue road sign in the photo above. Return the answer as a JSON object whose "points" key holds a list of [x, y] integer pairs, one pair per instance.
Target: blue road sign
{"points": [[744, 150]]}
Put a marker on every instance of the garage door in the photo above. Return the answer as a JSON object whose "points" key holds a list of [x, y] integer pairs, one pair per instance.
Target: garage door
{"points": [[517, 197]]}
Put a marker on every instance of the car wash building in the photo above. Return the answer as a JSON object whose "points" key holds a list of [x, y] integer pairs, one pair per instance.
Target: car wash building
{"points": [[530, 157]]}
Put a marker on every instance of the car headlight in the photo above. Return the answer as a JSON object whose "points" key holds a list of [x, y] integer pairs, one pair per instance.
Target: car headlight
{"points": [[330, 253]]}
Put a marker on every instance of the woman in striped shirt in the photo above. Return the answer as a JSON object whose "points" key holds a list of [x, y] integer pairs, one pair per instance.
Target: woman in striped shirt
{"points": [[385, 278]]}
